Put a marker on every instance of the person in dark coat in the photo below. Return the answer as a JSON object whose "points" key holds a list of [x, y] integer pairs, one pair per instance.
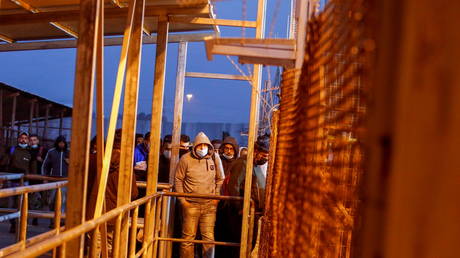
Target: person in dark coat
{"points": [[165, 158], [236, 186], [56, 164], [19, 162], [111, 190], [37, 153], [229, 155]]}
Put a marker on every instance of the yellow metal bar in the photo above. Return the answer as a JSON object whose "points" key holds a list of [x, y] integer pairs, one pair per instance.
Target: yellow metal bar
{"points": [[256, 81]]}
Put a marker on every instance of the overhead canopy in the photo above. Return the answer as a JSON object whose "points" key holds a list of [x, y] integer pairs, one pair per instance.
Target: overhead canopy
{"points": [[24, 101], [22, 20]]}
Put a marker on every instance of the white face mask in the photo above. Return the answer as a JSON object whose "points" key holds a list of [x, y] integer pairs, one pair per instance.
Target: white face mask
{"points": [[167, 154], [202, 152], [23, 145], [227, 156]]}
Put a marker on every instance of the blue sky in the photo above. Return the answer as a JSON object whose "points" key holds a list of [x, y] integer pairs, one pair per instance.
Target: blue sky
{"points": [[50, 73]]}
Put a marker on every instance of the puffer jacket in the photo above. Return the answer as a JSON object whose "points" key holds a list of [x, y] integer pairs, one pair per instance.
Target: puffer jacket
{"points": [[199, 175]]}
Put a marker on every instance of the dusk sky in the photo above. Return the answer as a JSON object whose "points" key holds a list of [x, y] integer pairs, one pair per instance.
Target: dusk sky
{"points": [[50, 73]]}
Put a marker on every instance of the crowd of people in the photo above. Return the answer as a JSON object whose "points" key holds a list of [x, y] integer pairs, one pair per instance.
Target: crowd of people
{"points": [[216, 167], [28, 156]]}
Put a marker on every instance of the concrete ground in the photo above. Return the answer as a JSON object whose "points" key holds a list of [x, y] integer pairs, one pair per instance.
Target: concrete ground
{"points": [[7, 238]]}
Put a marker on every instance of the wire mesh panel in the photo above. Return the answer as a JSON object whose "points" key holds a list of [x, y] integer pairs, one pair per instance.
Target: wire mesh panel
{"points": [[313, 198]]}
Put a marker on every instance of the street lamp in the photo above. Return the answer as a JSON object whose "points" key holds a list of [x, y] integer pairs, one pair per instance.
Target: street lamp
{"points": [[189, 97]]}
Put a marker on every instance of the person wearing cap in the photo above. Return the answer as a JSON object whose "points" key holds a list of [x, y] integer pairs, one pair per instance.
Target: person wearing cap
{"points": [[20, 156], [238, 173], [236, 186], [199, 172], [19, 162]]}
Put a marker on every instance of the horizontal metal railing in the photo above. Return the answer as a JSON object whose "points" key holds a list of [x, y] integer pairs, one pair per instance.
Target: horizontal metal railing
{"points": [[56, 239], [23, 210]]}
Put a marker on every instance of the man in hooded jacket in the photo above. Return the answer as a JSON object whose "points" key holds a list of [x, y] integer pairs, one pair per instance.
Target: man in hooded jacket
{"points": [[199, 172], [56, 163], [229, 154]]}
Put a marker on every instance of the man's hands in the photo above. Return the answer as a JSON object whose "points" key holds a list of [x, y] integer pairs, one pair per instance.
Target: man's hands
{"points": [[141, 165]]}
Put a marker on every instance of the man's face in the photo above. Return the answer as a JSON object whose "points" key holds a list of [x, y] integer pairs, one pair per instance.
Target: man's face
{"points": [[229, 150], [216, 146], [23, 139], [34, 140], [167, 147], [184, 145], [61, 145], [139, 140], [260, 157], [202, 147]]}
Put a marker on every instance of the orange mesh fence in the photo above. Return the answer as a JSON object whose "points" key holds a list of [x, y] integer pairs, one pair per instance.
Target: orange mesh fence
{"points": [[313, 192]]}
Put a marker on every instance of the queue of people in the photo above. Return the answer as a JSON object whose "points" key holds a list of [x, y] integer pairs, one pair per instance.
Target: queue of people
{"points": [[205, 167], [28, 156]]}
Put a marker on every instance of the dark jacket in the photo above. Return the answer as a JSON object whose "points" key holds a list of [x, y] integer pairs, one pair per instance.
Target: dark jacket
{"points": [[35, 164], [19, 160], [112, 184], [227, 163], [199, 175], [237, 182], [163, 170], [54, 163]]}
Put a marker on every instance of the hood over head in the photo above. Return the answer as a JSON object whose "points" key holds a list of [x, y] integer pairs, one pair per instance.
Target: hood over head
{"points": [[232, 141], [201, 138], [59, 139]]}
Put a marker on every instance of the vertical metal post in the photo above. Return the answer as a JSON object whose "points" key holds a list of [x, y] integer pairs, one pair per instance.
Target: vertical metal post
{"points": [[13, 117], [157, 113], [169, 206], [57, 215], [129, 121], [2, 132], [81, 122], [132, 239], [178, 106], [23, 219], [37, 115], [45, 127], [61, 122], [301, 24], [31, 115], [256, 81]]}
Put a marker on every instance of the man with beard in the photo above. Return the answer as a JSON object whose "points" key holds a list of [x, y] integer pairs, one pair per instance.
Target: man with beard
{"points": [[229, 155], [19, 162], [237, 182]]}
